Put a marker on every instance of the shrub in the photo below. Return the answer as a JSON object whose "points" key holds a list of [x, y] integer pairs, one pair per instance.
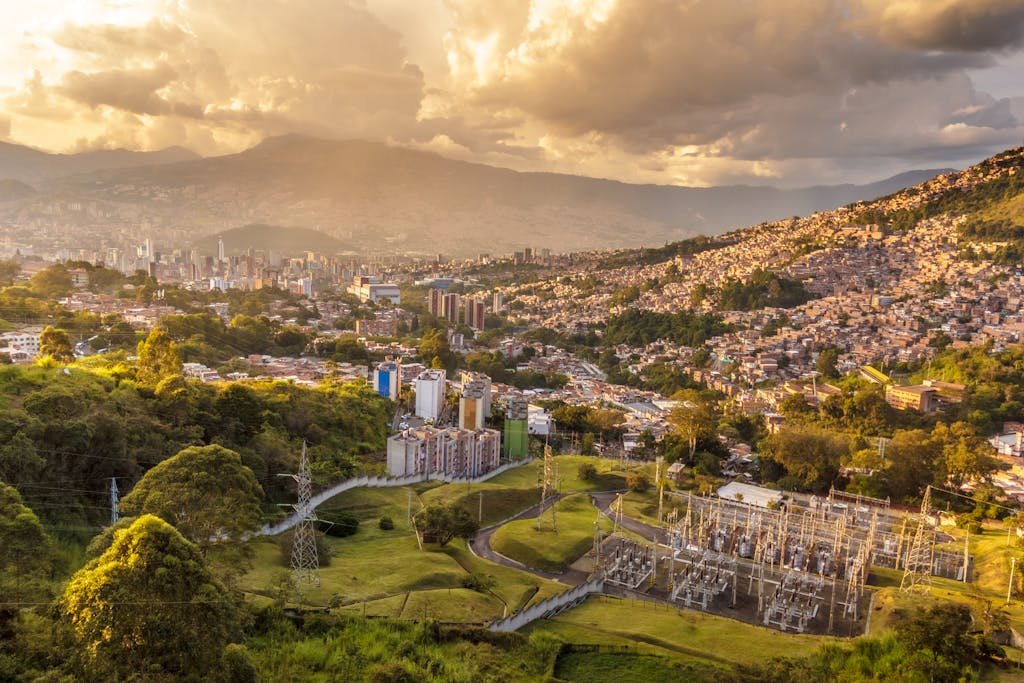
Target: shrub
{"points": [[386, 523], [342, 526], [587, 472], [637, 481]]}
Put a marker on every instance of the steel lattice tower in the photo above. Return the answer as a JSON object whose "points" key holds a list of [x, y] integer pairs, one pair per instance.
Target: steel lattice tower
{"points": [[114, 499], [917, 572], [548, 497], [305, 563]]}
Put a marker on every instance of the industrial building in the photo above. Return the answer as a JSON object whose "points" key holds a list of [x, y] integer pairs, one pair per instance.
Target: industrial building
{"points": [[370, 288]]}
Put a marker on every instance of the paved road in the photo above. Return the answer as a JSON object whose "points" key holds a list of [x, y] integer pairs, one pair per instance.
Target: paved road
{"points": [[603, 500], [481, 546]]}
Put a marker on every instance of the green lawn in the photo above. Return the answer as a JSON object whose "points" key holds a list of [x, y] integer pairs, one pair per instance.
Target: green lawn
{"points": [[528, 476], [516, 588], [546, 549], [686, 635], [386, 569], [452, 604]]}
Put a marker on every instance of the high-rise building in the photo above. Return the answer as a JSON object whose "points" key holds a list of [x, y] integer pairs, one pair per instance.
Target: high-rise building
{"points": [[497, 302], [478, 379], [471, 405], [430, 386], [450, 305], [220, 250], [387, 379], [435, 302], [475, 313], [451, 452]]}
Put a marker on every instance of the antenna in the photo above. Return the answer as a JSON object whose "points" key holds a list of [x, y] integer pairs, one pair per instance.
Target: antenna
{"points": [[305, 564]]}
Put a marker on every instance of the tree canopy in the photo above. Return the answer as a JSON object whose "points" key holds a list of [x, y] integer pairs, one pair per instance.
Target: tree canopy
{"points": [[149, 607], [204, 491]]}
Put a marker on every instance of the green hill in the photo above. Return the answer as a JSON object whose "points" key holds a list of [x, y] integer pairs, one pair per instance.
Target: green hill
{"points": [[287, 241]]}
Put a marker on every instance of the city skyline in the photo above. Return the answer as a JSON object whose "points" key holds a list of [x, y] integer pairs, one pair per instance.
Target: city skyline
{"points": [[694, 93]]}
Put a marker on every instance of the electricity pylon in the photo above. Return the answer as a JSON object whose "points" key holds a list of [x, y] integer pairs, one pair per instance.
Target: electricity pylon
{"points": [[114, 499], [917, 572], [305, 563], [548, 497]]}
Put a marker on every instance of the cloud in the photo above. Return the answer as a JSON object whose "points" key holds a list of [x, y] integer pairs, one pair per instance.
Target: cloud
{"points": [[957, 25], [683, 92], [225, 72]]}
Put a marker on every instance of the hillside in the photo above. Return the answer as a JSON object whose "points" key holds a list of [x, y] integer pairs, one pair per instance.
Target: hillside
{"points": [[11, 190], [33, 166], [382, 195], [285, 241]]}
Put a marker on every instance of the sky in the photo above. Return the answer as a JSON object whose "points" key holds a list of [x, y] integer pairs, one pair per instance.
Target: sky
{"points": [[684, 92]]}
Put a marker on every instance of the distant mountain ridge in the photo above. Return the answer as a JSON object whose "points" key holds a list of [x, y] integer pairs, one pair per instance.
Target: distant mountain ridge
{"points": [[32, 165], [372, 195], [284, 241]]}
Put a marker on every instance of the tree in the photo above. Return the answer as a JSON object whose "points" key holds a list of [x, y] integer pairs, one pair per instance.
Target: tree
{"points": [[204, 491], [812, 456], [56, 344], [911, 459], [443, 522], [826, 363], [26, 553], [694, 419], [158, 357], [149, 607], [965, 455]]}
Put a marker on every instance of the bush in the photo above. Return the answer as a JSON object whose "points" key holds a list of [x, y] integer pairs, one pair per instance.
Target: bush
{"points": [[344, 525], [386, 523], [480, 583], [637, 481], [587, 472]]}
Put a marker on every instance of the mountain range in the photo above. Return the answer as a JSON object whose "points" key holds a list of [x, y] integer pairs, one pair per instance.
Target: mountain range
{"points": [[372, 195]]}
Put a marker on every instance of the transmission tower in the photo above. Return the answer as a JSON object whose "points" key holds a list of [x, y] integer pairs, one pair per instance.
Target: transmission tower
{"points": [[114, 499], [660, 483], [548, 498], [305, 564], [917, 572]]}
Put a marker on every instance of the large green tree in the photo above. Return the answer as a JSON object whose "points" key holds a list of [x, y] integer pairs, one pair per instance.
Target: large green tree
{"points": [[158, 357], [695, 418], [443, 522], [204, 491], [148, 608], [26, 553], [55, 343], [811, 456]]}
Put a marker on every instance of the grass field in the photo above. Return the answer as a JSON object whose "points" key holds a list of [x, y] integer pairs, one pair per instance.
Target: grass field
{"points": [[685, 635], [546, 549]]}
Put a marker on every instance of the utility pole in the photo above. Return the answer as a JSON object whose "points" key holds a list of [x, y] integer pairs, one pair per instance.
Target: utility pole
{"points": [[305, 563], [480, 513], [114, 499], [1009, 588]]}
